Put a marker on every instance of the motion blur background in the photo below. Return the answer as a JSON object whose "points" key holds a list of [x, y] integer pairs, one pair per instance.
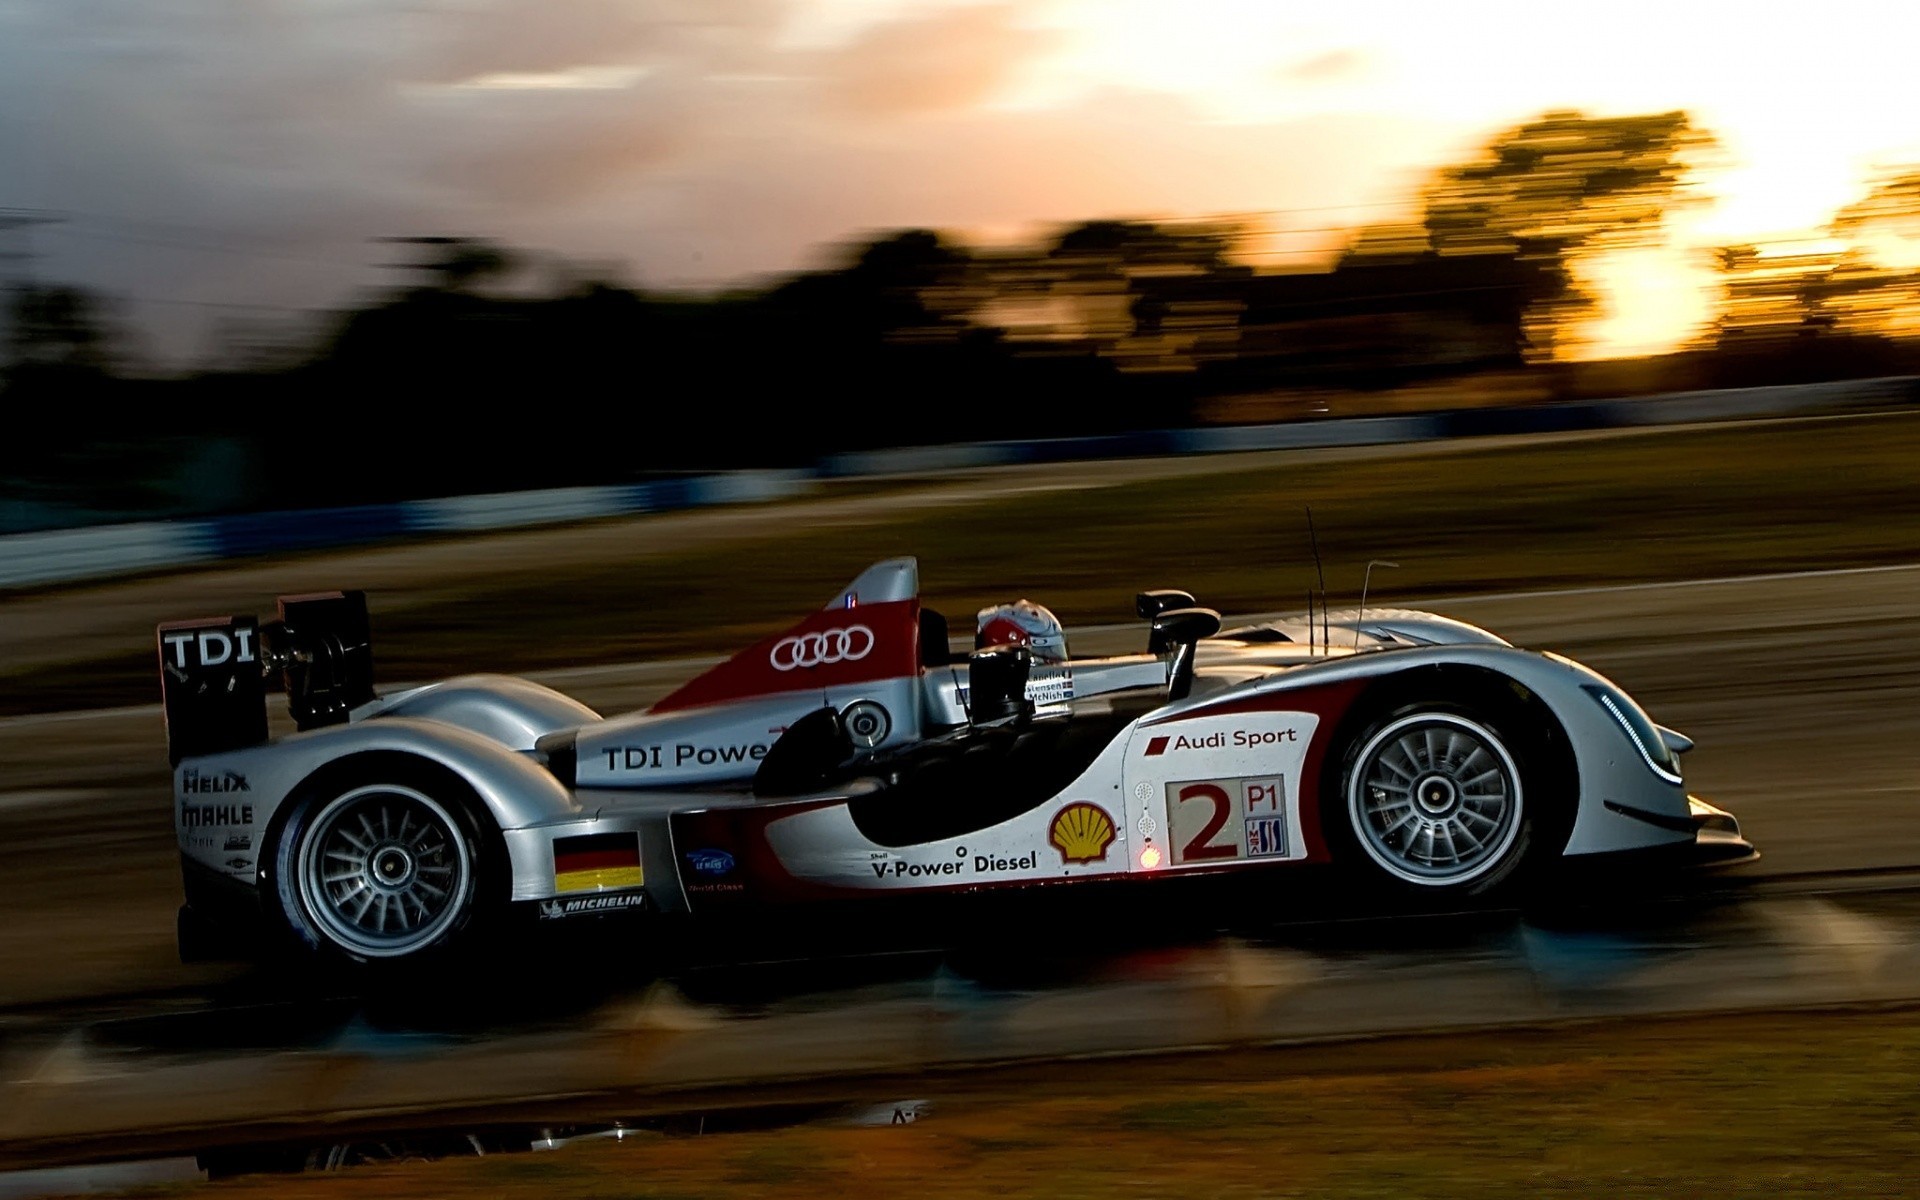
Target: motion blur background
{"points": [[534, 244], [259, 257]]}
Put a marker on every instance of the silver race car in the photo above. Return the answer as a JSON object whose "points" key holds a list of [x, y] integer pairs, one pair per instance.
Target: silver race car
{"points": [[854, 756]]}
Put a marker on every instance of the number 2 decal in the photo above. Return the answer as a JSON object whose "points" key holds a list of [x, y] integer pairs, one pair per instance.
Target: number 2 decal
{"points": [[1200, 847]]}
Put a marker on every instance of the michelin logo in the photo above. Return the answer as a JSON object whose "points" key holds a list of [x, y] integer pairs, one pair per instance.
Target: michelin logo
{"points": [[580, 906]]}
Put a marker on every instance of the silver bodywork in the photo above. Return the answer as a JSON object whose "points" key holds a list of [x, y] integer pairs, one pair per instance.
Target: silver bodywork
{"points": [[1256, 713]]}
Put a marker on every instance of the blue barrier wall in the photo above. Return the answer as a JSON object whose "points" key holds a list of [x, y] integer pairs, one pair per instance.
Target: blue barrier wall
{"points": [[30, 559]]}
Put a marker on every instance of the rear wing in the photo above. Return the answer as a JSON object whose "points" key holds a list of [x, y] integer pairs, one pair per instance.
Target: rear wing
{"points": [[214, 671]]}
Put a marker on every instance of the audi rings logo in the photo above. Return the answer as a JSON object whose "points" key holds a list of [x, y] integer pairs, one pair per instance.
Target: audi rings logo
{"points": [[851, 644]]}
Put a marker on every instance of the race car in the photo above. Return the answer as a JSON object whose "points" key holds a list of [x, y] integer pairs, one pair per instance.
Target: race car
{"points": [[856, 757]]}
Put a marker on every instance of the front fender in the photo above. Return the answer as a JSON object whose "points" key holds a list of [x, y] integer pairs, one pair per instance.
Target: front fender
{"points": [[1608, 765]]}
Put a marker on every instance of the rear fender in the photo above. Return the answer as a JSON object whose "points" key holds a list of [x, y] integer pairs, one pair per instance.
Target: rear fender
{"points": [[516, 713], [230, 807]]}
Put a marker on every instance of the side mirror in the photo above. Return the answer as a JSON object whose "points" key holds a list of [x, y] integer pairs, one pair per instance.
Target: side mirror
{"points": [[1177, 630], [935, 641], [1151, 604], [1181, 626], [997, 683]]}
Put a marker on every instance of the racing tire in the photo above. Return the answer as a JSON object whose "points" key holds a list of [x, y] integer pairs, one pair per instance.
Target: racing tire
{"points": [[1432, 800], [382, 865]]}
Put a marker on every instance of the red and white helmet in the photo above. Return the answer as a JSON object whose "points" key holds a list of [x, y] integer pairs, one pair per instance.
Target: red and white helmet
{"points": [[1022, 623]]}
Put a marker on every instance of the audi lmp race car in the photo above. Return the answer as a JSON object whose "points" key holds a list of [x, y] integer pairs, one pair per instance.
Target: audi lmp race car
{"points": [[853, 756]]}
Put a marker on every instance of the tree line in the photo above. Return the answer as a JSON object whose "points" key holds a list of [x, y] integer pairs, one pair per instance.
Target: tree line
{"points": [[453, 383]]}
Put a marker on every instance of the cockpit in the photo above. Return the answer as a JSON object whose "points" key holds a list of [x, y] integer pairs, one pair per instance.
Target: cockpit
{"points": [[997, 740]]}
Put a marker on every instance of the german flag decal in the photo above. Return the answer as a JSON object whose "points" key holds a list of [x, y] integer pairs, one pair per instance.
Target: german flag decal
{"points": [[597, 861]]}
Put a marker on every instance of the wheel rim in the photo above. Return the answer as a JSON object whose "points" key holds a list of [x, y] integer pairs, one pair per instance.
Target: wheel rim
{"points": [[385, 870], [1435, 799]]}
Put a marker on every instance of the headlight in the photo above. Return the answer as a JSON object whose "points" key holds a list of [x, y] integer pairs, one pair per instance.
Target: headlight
{"points": [[1640, 730]]}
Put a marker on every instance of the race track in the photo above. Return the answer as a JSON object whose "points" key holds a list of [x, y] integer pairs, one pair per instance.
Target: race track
{"points": [[1802, 691]]}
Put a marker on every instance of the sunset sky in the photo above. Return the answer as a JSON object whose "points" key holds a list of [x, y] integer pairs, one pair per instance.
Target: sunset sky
{"points": [[217, 160]]}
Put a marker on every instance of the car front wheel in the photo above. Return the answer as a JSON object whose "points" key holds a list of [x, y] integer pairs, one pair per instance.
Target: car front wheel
{"points": [[1435, 800]]}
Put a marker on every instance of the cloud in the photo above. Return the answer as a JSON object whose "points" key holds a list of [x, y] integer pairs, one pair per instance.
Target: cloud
{"points": [[517, 147], [1332, 66], [465, 39], [197, 107], [947, 60], [780, 202], [257, 148]]}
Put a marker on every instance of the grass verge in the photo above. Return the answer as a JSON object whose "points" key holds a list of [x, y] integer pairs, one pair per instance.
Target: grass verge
{"points": [[1775, 1105], [1659, 505]]}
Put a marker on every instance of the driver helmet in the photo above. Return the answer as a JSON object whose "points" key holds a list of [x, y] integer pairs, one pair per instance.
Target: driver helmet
{"points": [[1022, 623]]}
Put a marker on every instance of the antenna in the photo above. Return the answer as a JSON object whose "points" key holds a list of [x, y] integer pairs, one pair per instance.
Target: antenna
{"points": [[1365, 583], [1313, 540]]}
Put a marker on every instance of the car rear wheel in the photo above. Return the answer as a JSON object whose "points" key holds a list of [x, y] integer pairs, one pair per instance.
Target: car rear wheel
{"points": [[1434, 799], [379, 870]]}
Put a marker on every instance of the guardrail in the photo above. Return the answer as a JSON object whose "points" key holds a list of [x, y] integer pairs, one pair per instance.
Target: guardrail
{"points": [[61, 556]]}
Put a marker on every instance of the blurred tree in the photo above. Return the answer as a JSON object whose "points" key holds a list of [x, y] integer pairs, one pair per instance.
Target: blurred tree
{"points": [[1130, 247], [458, 264], [1876, 285], [1887, 219], [883, 339], [455, 374], [905, 285], [59, 328], [1862, 280], [1770, 293], [92, 449], [1559, 189], [1151, 296]]}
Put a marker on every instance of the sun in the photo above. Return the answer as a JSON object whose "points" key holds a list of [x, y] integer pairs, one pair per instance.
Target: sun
{"points": [[1805, 108]]}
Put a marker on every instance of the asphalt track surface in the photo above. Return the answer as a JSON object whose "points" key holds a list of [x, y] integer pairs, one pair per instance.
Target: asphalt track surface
{"points": [[1802, 691]]}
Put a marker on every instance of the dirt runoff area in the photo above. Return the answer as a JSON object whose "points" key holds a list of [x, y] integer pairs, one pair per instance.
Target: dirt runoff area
{"points": [[1815, 1104]]}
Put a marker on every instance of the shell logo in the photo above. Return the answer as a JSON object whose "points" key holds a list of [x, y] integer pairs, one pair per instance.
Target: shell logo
{"points": [[1081, 832]]}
